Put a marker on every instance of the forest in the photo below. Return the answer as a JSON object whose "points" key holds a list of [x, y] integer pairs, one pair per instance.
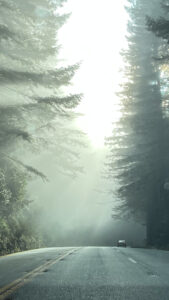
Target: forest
{"points": [[139, 159], [37, 113]]}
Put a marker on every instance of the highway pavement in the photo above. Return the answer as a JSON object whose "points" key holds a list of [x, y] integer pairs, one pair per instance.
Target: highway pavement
{"points": [[85, 273]]}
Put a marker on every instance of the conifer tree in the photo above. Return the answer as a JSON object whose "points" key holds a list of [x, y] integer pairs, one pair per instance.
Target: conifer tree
{"points": [[36, 112], [138, 145]]}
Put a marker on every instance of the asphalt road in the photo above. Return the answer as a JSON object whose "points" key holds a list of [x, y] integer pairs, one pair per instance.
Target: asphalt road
{"points": [[85, 273]]}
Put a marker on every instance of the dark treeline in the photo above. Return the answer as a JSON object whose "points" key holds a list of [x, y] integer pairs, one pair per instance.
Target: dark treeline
{"points": [[139, 159], [35, 112]]}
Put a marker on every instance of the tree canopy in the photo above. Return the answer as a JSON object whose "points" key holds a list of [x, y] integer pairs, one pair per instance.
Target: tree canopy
{"points": [[36, 112], [139, 144]]}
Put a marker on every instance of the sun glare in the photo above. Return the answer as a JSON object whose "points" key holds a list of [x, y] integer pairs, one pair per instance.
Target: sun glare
{"points": [[94, 35]]}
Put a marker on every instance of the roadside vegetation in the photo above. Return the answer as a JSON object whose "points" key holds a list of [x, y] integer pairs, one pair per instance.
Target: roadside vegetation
{"points": [[36, 112], [139, 160]]}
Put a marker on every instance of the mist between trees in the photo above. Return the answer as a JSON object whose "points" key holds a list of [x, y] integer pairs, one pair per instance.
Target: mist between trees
{"points": [[139, 159], [36, 113]]}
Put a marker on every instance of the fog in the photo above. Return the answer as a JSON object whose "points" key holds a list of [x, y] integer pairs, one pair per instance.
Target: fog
{"points": [[74, 129], [78, 211]]}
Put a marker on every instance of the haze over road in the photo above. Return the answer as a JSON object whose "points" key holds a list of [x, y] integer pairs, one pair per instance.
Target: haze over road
{"points": [[85, 273]]}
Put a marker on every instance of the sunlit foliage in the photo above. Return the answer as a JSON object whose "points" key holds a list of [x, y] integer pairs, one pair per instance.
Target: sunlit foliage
{"points": [[36, 112]]}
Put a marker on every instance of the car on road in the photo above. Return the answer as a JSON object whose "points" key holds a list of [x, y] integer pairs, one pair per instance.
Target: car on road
{"points": [[121, 243]]}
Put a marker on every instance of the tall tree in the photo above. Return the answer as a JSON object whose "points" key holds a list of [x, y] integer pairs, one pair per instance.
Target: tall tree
{"points": [[32, 83], [36, 112], [159, 26], [138, 144]]}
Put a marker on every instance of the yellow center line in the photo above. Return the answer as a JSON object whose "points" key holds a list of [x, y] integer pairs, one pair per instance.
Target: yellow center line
{"points": [[13, 286]]}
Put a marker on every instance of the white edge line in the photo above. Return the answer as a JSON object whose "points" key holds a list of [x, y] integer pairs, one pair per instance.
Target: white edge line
{"points": [[132, 260]]}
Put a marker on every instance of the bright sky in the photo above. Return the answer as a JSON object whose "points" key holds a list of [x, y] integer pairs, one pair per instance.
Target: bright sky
{"points": [[95, 34]]}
